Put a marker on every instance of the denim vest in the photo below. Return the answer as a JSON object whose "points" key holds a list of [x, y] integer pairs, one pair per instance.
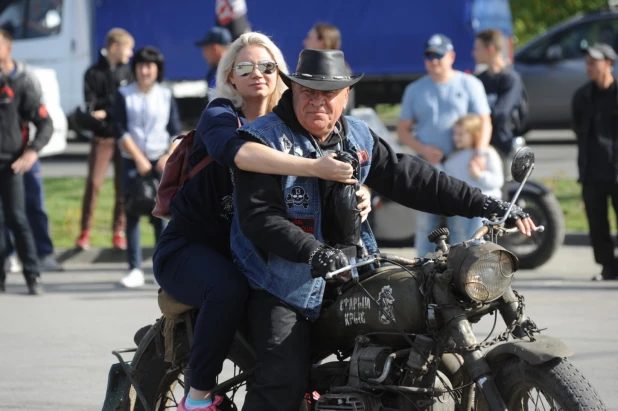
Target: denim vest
{"points": [[288, 281]]}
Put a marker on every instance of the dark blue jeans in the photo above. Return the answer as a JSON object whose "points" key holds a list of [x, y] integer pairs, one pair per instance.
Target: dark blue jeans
{"points": [[36, 213], [134, 247], [197, 275], [13, 216]]}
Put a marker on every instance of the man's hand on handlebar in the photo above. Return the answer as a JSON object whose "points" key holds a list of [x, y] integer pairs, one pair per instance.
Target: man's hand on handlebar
{"points": [[324, 260], [517, 217]]}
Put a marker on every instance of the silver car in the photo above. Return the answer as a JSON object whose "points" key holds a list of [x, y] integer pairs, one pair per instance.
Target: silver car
{"points": [[552, 66]]}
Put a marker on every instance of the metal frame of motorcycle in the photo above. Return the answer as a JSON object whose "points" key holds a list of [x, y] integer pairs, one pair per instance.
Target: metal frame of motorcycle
{"points": [[510, 306]]}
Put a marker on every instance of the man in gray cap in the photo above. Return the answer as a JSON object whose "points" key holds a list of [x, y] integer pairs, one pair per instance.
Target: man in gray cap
{"points": [[595, 122], [214, 45]]}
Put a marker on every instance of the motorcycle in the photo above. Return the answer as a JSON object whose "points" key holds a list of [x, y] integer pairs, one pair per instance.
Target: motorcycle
{"points": [[387, 220], [402, 337]]}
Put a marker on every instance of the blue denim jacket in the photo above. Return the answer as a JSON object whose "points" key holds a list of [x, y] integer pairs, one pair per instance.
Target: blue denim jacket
{"points": [[288, 281]]}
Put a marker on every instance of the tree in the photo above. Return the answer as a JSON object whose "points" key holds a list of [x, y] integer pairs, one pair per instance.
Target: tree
{"points": [[533, 17]]}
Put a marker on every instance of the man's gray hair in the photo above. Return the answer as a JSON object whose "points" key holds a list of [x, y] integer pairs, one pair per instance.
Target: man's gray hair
{"points": [[227, 90]]}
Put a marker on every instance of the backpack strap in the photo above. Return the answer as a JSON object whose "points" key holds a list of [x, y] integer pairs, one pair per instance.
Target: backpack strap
{"points": [[198, 167], [205, 161]]}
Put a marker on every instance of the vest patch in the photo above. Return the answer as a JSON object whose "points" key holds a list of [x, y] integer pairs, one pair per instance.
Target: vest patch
{"points": [[286, 143], [363, 156], [305, 224], [297, 198]]}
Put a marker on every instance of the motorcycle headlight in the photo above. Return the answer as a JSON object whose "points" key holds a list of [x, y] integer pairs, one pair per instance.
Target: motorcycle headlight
{"points": [[483, 271]]}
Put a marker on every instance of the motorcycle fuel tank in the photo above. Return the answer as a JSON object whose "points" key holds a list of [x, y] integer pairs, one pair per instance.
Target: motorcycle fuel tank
{"points": [[354, 313]]}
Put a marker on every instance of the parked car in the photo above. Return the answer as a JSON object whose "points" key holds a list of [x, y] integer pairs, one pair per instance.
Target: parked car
{"points": [[552, 66]]}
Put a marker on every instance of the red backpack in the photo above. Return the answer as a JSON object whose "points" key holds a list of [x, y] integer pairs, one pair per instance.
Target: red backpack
{"points": [[175, 174]]}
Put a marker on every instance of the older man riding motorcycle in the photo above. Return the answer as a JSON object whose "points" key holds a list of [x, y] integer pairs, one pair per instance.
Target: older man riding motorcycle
{"points": [[278, 230]]}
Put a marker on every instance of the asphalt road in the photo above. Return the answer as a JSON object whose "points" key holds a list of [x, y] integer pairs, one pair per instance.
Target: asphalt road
{"points": [[554, 150], [55, 349]]}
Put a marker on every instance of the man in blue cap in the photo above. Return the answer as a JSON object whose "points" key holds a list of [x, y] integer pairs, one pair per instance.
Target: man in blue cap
{"points": [[214, 45], [430, 107]]}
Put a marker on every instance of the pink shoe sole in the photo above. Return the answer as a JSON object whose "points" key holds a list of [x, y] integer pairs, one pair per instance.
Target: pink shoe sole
{"points": [[212, 407]]}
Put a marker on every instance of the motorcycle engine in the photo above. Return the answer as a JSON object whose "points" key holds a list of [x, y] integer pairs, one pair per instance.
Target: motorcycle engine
{"points": [[347, 402]]}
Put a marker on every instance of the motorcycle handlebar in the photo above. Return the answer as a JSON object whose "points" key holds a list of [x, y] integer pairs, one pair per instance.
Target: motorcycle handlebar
{"points": [[370, 260], [481, 232]]}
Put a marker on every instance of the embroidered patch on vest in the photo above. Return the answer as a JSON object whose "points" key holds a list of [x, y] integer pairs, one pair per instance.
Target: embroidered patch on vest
{"points": [[305, 224], [363, 156], [286, 143], [297, 198]]}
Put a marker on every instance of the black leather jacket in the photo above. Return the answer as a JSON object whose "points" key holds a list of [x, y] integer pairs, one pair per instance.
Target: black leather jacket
{"points": [[583, 115]]}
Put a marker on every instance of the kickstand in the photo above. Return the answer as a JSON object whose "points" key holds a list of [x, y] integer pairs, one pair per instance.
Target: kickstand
{"points": [[129, 373]]}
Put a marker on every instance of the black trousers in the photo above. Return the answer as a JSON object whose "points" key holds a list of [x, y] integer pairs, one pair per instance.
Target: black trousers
{"points": [[595, 196], [13, 216], [282, 341]]}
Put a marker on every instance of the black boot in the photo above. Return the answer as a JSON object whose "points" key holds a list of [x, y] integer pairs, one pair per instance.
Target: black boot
{"points": [[2, 287], [34, 286]]}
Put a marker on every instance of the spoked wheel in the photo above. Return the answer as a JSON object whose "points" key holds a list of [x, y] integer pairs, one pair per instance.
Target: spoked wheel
{"points": [[554, 386], [532, 398], [164, 384], [173, 388]]}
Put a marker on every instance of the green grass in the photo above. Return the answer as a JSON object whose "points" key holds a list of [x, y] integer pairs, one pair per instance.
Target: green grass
{"points": [[388, 112], [64, 202], [63, 199]]}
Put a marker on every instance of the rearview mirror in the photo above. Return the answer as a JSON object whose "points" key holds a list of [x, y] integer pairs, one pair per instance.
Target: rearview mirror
{"points": [[522, 162], [554, 53]]}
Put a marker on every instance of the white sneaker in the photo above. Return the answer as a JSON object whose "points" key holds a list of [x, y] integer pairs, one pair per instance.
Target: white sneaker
{"points": [[14, 266], [135, 278]]}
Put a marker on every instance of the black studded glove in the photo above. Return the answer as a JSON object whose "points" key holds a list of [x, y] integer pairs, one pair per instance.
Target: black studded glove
{"points": [[494, 207], [324, 260]]}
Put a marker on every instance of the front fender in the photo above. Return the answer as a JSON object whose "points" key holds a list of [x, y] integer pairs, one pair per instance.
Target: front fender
{"points": [[542, 350]]}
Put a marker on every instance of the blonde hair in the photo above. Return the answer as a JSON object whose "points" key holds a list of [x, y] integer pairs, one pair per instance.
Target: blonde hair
{"points": [[120, 36], [472, 124], [329, 34], [227, 90]]}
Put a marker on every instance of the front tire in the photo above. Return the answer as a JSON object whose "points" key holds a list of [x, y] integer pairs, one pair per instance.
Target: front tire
{"points": [[554, 385]]}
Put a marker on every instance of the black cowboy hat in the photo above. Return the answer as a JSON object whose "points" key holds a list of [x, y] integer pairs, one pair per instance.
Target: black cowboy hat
{"points": [[323, 70]]}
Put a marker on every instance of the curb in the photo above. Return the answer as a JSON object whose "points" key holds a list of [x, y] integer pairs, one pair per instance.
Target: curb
{"points": [[110, 256], [577, 238]]}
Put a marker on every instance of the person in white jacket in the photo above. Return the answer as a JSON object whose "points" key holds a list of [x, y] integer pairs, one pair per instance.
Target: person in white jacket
{"points": [[466, 133]]}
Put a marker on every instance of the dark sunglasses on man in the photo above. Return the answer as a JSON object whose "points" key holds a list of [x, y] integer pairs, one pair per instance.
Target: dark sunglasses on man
{"points": [[433, 56], [245, 68]]}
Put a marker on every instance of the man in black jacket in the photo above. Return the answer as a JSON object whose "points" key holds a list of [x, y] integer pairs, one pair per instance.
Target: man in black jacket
{"points": [[595, 122], [101, 83], [19, 101], [277, 230]]}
